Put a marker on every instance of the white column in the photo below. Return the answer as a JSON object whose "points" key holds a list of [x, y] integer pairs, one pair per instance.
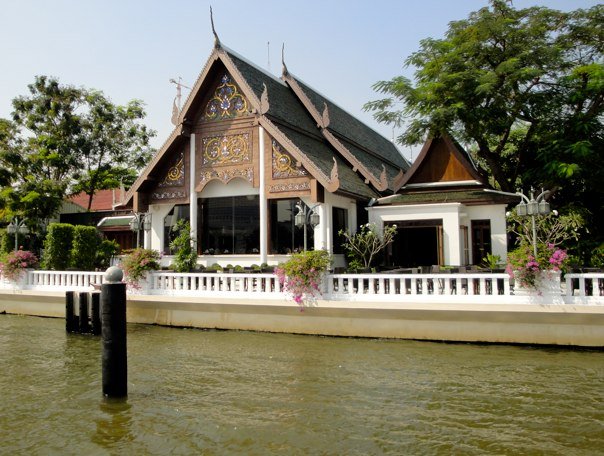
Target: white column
{"points": [[320, 231], [451, 235], [192, 194], [263, 201]]}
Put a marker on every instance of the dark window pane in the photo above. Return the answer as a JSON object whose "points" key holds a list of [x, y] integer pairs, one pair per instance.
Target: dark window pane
{"points": [[230, 225], [180, 211], [340, 222], [285, 236]]}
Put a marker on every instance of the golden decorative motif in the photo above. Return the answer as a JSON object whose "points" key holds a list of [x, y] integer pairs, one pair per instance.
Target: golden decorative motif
{"points": [[225, 176], [284, 165], [289, 187], [176, 174], [226, 149], [227, 102]]}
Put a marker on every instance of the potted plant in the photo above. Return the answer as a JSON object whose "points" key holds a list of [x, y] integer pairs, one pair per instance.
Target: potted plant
{"points": [[16, 264], [537, 275], [302, 274], [136, 266]]}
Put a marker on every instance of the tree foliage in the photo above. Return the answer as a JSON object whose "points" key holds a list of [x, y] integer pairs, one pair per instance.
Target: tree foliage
{"points": [[523, 88], [64, 139]]}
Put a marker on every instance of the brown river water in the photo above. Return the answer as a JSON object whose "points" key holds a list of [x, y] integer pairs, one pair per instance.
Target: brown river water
{"points": [[233, 392]]}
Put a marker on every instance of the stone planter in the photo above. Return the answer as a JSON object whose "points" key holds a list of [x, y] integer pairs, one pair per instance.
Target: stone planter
{"points": [[142, 286], [547, 286]]}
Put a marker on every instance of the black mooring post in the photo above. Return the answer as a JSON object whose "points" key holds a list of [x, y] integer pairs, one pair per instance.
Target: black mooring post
{"points": [[113, 330], [70, 324], [84, 314], [95, 299]]}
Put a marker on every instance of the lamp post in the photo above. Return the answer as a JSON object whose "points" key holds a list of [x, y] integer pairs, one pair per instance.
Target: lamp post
{"points": [[306, 217], [532, 207], [141, 221], [17, 227]]}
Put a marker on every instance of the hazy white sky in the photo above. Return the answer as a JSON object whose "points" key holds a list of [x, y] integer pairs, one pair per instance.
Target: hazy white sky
{"points": [[131, 48]]}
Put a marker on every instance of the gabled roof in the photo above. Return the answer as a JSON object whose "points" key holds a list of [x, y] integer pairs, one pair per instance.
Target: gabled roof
{"points": [[444, 173], [345, 157], [443, 161], [376, 158], [101, 201]]}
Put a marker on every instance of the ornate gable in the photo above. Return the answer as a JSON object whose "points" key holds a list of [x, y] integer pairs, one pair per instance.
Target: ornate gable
{"points": [[227, 101]]}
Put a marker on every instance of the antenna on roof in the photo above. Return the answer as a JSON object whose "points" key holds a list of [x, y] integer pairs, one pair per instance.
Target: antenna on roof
{"points": [[216, 39], [285, 72], [268, 54]]}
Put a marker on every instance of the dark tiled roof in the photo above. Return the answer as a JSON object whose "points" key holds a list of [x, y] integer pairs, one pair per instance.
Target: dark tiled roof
{"points": [[346, 125], [322, 155], [283, 104], [468, 197], [373, 163], [290, 116]]}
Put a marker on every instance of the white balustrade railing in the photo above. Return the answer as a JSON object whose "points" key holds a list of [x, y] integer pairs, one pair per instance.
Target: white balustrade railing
{"points": [[584, 284], [342, 285], [226, 284], [579, 288], [69, 280]]}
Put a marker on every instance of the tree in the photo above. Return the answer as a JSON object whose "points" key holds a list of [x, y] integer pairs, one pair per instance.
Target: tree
{"points": [[63, 140], [523, 88], [364, 245], [114, 145], [185, 256]]}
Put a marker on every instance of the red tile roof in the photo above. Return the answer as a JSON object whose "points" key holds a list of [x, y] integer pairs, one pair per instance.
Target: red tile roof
{"points": [[102, 200]]}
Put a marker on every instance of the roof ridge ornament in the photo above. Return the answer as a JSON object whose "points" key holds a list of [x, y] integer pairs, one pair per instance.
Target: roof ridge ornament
{"points": [[284, 71], [264, 104], [216, 39], [325, 116]]}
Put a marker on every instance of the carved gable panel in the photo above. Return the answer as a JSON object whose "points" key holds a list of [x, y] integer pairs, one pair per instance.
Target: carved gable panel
{"points": [[175, 176], [284, 165], [227, 101], [222, 150]]}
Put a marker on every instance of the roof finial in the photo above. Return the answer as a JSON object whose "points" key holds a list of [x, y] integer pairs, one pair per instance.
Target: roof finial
{"points": [[285, 72], [216, 39]]}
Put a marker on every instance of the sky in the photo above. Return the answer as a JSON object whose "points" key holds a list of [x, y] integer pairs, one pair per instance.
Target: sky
{"points": [[132, 48]]}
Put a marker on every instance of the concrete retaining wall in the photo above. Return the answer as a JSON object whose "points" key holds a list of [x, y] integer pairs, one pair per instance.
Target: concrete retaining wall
{"points": [[556, 324]]}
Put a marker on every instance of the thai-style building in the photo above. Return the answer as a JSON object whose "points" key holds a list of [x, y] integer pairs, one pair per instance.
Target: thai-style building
{"points": [[250, 151]]}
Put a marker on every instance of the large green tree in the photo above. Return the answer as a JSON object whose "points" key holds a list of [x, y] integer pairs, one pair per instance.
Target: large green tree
{"points": [[62, 140], [523, 88]]}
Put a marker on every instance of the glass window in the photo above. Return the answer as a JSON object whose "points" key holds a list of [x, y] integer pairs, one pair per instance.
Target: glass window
{"points": [[339, 218], [285, 236], [229, 225], [178, 212]]}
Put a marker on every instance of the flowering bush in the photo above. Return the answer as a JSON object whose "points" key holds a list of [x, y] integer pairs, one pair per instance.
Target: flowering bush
{"points": [[524, 267], [364, 245], [138, 262], [301, 275], [16, 262]]}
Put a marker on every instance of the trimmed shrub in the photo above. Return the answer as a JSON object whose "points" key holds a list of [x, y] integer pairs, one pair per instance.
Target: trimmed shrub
{"points": [[57, 247], [84, 247], [106, 250]]}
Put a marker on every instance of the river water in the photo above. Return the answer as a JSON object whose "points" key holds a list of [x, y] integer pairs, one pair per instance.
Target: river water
{"points": [[233, 392]]}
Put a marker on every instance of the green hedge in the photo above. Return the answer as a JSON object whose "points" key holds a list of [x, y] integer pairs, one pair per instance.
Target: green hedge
{"points": [[57, 247], [84, 247]]}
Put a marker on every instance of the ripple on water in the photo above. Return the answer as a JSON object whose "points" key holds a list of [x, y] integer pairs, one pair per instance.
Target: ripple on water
{"points": [[221, 392]]}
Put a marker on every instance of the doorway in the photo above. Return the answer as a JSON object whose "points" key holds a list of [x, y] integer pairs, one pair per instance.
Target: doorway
{"points": [[481, 240], [417, 243]]}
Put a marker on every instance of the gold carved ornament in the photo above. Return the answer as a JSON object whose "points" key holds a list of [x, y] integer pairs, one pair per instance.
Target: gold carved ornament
{"points": [[227, 102], [175, 175], [226, 149], [284, 165]]}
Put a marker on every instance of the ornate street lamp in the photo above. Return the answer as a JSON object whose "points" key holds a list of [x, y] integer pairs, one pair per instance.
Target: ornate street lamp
{"points": [[533, 207], [141, 221], [306, 217], [17, 227]]}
